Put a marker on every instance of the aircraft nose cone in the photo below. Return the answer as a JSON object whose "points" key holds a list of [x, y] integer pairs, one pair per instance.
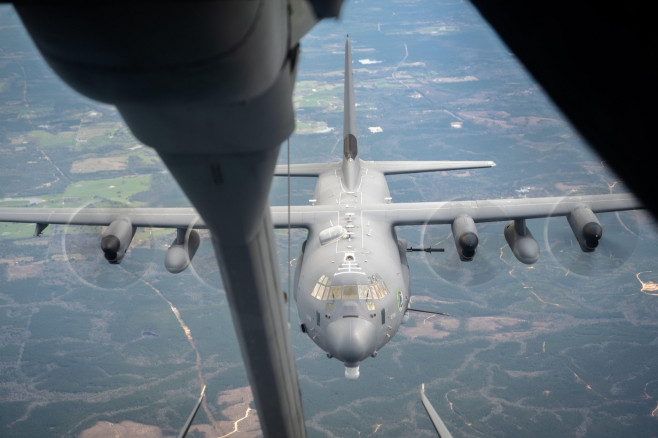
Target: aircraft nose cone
{"points": [[351, 340]]}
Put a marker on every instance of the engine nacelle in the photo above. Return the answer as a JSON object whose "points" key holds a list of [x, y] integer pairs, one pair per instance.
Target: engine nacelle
{"points": [[586, 227], [519, 238], [116, 239], [466, 237], [182, 250]]}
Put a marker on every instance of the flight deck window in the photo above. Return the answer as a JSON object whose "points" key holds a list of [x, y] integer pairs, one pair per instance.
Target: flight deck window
{"points": [[375, 290], [316, 290], [350, 292], [335, 293]]}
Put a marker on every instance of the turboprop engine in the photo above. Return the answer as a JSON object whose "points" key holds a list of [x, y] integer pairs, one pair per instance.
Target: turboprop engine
{"points": [[520, 240], [466, 237], [182, 250], [116, 239], [586, 227]]}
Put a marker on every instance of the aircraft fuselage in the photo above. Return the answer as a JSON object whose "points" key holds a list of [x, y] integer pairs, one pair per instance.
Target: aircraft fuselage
{"points": [[352, 277]]}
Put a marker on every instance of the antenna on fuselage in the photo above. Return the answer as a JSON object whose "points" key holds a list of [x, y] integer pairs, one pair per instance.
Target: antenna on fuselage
{"points": [[351, 168]]}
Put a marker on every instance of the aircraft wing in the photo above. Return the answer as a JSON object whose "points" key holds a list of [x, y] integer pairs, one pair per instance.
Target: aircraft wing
{"points": [[300, 216], [139, 217], [492, 210]]}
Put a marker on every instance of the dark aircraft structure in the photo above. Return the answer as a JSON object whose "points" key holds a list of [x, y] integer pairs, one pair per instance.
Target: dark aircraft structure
{"points": [[190, 79], [595, 61]]}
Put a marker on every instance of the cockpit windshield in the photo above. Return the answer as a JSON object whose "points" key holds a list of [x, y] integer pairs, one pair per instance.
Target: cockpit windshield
{"points": [[374, 290]]}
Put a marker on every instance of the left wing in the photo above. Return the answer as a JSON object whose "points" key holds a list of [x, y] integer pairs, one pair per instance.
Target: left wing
{"points": [[492, 210], [463, 215]]}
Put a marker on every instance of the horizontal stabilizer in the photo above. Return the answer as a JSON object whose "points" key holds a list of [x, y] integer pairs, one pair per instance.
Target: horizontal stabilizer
{"points": [[400, 167], [306, 169]]}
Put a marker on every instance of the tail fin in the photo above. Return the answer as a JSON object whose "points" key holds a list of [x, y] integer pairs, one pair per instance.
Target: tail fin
{"points": [[351, 167]]}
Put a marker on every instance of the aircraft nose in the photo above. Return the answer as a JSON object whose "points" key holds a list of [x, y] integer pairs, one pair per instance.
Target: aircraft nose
{"points": [[351, 340]]}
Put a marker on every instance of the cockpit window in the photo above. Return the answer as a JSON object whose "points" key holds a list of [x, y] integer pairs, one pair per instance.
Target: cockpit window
{"points": [[335, 293], [321, 287], [350, 292], [323, 290]]}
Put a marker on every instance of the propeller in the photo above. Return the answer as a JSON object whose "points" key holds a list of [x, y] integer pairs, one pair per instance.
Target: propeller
{"points": [[204, 265], [81, 246], [479, 258], [485, 265], [620, 233]]}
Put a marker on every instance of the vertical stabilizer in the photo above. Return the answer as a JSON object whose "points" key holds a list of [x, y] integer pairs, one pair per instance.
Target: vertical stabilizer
{"points": [[351, 166]]}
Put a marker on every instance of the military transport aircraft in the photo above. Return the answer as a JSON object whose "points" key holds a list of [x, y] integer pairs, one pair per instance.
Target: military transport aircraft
{"points": [[352, 280], [190, 80]]}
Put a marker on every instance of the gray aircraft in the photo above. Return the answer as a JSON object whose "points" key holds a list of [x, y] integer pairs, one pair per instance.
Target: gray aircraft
{"points": [[352, 283], [352, 280]]}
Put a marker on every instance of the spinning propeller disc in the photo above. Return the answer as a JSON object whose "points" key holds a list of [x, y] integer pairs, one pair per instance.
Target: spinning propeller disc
{"points": [[82, 250]]}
